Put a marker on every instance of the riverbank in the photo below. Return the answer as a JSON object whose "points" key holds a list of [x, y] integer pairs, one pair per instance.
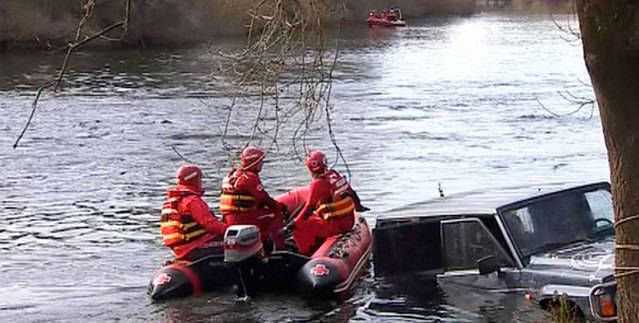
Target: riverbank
{"points": [[44, 24]]}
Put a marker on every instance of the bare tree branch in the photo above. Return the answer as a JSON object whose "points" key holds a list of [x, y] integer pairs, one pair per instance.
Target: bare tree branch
{"points": [[182, 156], [581, 102], [285, 54], [573, 36], [88, 12]]}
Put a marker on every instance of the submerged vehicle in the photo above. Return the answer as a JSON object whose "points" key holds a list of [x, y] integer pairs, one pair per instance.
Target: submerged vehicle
{"points": [[245, 261], [386, 18], [542, 243]]}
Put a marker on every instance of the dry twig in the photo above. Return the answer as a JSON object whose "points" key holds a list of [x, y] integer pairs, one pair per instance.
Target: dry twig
{"points": [[283, 62], [77, 43], [572, 36]]}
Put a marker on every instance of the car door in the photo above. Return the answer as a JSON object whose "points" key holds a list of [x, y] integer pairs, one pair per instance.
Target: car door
{"points": [[465, 245]]}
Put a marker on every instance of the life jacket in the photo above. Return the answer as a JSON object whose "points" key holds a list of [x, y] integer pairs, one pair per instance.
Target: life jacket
{"points": [[178, 228], [233, 201], [342, 203]]}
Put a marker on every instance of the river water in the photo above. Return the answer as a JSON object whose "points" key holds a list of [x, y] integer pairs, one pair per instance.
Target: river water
{"points": [[445, 100]]}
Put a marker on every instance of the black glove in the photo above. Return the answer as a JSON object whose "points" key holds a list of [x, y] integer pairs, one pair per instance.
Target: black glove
{"points": [[285, 211], [362, 208], [288, 229]]}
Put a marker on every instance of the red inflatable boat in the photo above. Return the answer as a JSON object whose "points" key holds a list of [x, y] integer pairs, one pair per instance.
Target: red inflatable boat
{"points": [[386, 18], [383, 22], [331, 269]]}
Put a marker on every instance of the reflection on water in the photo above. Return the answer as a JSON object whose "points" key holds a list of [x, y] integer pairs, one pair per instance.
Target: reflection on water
{"points": [[446, 100]]}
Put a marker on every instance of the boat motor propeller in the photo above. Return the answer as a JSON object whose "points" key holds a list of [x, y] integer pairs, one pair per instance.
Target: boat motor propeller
{"points": [[244, 250]]}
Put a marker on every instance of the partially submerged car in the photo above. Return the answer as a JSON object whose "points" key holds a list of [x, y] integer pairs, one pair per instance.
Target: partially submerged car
{"points": [[542, 243]]}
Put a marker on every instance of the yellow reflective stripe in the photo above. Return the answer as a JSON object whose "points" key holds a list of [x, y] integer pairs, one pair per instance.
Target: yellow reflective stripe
{"points": [[335, 205], [234, 208], [194, 234], [171, 236], [227, 202], [171, 224], [169, 211], [339, 212], [339, 208], [185, 237], [240, 197], [177, 224], [189, 225]]}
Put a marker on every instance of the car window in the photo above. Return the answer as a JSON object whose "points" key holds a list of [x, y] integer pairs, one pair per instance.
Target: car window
{"points": [[559, 220], [522, 221], [600, 206], [466, 241]]}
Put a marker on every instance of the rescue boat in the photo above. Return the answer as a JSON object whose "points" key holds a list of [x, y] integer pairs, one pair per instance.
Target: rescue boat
{"points": [[243, 261], [382, 20]]}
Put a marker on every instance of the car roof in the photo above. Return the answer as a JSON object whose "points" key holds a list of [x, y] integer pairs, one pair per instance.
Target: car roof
{"points": [[479, 202]]}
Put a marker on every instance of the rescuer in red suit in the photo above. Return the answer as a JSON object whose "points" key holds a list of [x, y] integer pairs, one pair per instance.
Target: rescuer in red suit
{"points": [[244, 200], [188, 227], [330, 207]]}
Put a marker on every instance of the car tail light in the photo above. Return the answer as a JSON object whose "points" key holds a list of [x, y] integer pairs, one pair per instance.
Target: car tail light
{"points": [[602, 301], [607, 306]]}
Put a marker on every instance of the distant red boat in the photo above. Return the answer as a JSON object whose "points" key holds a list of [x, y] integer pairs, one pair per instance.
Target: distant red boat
{"points": [[386, 18]]}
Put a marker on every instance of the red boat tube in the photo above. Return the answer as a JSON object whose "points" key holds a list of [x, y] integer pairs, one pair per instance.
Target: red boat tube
{"points": [[336, 264], [294, 199], [183, 278], [334, 267]]}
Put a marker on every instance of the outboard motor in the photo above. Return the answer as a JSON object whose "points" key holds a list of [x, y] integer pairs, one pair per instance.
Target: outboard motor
{"points": [[241, 243], [244, 250]]}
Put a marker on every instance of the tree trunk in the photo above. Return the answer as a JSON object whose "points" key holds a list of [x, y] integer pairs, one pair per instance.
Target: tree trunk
{"points": [[610, 35]]}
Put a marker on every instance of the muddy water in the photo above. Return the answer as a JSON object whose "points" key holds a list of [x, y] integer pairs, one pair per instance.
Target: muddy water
{"points": [[446, 100]]}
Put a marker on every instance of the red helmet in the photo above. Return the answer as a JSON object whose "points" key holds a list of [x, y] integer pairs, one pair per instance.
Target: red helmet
{"points": [[252, 159], [316, 162], [190, 176]]}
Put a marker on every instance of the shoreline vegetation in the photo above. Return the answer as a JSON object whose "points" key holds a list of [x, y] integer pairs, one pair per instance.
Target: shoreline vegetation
{"points": [[51, 24], [44, 24]]}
